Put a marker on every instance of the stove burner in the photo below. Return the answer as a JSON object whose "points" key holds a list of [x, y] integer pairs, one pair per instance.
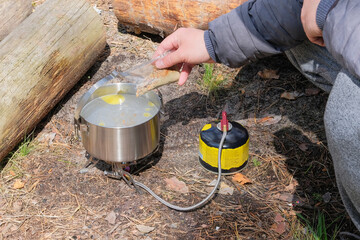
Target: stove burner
{"points": [[122, 170]]}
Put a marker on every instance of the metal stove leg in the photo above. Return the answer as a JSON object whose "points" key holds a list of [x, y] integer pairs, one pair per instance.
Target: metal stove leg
{"points": [[121, 174], [91, 162]]}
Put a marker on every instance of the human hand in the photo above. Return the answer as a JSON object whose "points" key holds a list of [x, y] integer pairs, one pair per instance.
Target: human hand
{"points": [[308, 20], [186, 46]]}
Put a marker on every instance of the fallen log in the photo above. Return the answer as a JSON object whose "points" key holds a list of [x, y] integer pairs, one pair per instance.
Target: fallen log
{"points": [[12, 13], [165, 16], [41, 60]]}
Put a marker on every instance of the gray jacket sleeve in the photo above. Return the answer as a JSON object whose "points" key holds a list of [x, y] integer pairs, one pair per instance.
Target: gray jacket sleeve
{"points": [[260, 28], [255, 29], [341, 34]]}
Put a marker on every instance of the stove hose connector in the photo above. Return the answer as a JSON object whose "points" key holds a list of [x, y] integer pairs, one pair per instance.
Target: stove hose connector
{"points": [[224, 127]]}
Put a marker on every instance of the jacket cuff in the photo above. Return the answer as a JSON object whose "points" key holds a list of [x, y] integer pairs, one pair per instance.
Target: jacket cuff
{"points": [[209, 46], [322, 11]]}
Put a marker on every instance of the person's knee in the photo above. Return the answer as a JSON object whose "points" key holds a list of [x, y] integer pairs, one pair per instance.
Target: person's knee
{"points": [[342, 117], [342, 125]]}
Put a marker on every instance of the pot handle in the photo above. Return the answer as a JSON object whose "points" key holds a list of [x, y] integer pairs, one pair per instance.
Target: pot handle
{"points": [[161, 102], [80, 127]]}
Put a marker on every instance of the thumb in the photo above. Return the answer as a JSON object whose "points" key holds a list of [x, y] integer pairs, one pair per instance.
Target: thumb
{"points": [[169, 60]]}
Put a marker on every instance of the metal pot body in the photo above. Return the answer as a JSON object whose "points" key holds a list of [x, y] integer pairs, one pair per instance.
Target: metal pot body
{"points": [[118, 144]]}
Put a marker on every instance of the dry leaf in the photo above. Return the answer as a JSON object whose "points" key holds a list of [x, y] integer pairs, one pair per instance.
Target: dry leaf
{"points": [[290, 187], [303, 147], [12, 173], [240, 178], [280, 228], [224, 188], [246, 122], [278, 218], [137, 30], [290, 95], [176, 185], [269, 120], [17, 206], [312, 91], [111, 217], [326, 197], [287, 197], [292, 213], [47, 138], [144, 229], [18, 184], [268, 74]]}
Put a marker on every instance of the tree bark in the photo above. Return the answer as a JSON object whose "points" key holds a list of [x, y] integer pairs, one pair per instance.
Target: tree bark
{"points": [[12, 13], [165, 16], [41, 60]]}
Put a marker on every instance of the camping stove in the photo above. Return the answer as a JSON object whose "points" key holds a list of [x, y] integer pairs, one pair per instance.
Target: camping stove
{"points": [[122, 170]]}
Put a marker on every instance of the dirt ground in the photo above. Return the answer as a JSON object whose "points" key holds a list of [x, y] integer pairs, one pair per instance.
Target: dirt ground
{"points": [[43, 194]]}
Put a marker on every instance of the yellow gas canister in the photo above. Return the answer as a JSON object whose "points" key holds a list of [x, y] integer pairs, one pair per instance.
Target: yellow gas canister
{"points": [[235, 151]]}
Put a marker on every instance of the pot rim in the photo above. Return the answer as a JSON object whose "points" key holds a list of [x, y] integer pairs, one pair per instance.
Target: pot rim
{"points": [[131, 87]]}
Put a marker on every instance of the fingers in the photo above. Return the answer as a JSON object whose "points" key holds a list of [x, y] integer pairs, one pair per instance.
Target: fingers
{"points": [[185, 72], [171, 42], [186, 46], [169, 60]]}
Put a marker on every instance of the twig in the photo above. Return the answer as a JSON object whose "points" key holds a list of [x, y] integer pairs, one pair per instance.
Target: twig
{"points": [[131, 219], [77, 200], [38, 215]]}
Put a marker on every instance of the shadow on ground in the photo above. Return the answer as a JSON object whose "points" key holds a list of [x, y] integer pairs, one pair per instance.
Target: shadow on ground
{"points": [[304, 146]]}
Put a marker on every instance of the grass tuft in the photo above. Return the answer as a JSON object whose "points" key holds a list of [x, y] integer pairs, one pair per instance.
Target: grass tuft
{"points": [[10, 163], [212, 81], [256, 161], [318, 230]]}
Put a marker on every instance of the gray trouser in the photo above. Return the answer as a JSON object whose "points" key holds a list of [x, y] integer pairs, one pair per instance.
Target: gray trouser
{"points": [[342, 118]]}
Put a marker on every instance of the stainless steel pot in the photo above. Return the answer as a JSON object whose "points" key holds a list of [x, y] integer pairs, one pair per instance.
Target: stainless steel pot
{"points": [[118, 144]]}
